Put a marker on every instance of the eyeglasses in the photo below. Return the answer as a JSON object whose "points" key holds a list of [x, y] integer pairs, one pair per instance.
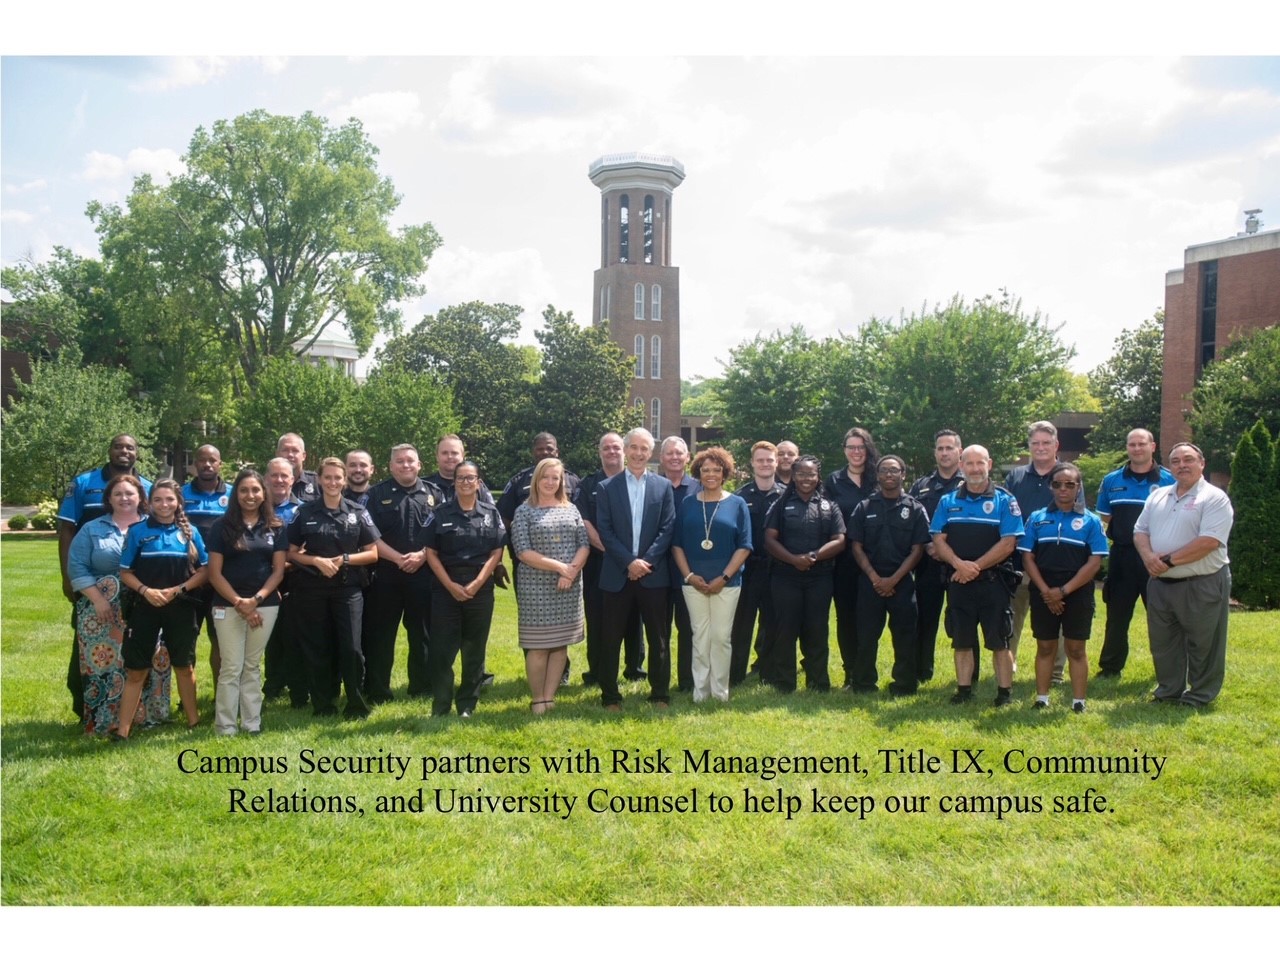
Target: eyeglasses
{"points": [[466, 479], [889, 469], [1064, 484], [855, 446]]}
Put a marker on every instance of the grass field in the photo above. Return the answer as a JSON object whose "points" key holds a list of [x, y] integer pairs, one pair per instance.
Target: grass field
{"points": [[88, 823]]}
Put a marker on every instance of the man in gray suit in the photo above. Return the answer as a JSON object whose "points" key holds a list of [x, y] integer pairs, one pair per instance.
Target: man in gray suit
{"points": [[635, 517]]}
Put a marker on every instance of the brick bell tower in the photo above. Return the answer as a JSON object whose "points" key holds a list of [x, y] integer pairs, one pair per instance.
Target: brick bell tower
{"points": [[637, 290]]}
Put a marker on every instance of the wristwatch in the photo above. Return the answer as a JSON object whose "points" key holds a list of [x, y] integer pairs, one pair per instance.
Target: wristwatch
{"points": [[1167, 560]]}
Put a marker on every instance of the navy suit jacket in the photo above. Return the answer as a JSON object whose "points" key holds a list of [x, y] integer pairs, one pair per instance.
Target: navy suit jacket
{"points": [[613, 523]]}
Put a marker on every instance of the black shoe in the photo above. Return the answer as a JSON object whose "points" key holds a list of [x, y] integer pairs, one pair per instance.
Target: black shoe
{"points": [[326, 711], [962, 696], [356, 713], [1077, 708], [1108, 675], [925, 677], [376, 699], [273, 692], [1003, 698], [298, 704], [897, 690], [635, 674], [486, 679], [1039, 704], [1166, 700], [860, 687], [1183, 702]]}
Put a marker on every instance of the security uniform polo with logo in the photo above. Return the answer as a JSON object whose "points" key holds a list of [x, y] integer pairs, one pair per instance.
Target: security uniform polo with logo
{"points": [[463, 539], [203, 510], [887, 530], [330, 609], [593, 597], [83, 502], [307, 487], [973, 524], [931, 576], [1061, 544], [1122, 495], [402, 515], [754, 600], [158, 555], [802, 598]]}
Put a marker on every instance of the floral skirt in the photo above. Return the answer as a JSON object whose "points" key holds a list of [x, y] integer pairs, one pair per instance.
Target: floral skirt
{"points": [[102, 667]]}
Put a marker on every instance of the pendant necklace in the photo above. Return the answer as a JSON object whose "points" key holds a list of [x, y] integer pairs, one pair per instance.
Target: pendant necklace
{"points": [[707, 544]]}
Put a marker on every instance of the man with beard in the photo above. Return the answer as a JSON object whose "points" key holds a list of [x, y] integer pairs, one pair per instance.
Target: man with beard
{"points": [[359, 466]]}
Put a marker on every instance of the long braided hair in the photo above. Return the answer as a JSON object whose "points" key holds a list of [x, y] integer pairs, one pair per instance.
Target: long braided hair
{"points": [[179, 517]]}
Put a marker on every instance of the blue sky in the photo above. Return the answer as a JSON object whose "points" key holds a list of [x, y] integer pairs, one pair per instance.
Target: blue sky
{"points": [[819, 190]]}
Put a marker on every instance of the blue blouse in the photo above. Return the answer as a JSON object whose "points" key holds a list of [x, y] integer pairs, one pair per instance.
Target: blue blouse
{"points": [[730, 532], [95, 552]]}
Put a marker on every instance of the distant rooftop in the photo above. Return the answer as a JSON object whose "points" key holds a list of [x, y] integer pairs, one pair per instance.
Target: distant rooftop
{"points": [[654, 161], [636, 170]]}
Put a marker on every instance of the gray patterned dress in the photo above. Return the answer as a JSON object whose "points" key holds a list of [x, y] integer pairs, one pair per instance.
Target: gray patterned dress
{"points": [[549, 618]]}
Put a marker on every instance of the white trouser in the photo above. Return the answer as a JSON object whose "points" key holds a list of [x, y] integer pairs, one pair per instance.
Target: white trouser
{"points": [[712, 620], [240, 677]]}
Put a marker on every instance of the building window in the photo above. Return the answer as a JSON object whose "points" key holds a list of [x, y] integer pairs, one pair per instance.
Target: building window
{"points": [[608, 301], [655, 302], [624, 228], [655, 358], [639, 311], [655, 418], [1208, 312], [639, 405], [648, 229], [604, 313], [639, 356]]}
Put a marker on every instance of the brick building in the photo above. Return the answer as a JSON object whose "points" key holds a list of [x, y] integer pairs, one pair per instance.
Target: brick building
{"points": [[637, 290], [1226, 288]]}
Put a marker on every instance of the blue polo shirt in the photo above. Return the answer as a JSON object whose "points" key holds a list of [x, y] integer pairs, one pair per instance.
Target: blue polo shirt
{"points": [[976, 522], [1063, 542], [83, 500], [1122, 496], [201, 508], [157, 553]]}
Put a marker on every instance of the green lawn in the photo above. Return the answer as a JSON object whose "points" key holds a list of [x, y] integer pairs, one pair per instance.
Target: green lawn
{"points": [[88, 823]]}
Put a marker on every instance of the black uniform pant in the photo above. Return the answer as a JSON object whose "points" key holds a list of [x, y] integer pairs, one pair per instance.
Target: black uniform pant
{"points": [[678, 616], [593, 600], [901, 611], [1126, 582], [75, 682], [755, 604], [651, 602], [458, 627], [283, 663], [394, 596], [845, 594], [329, 634], [802, 608], [931, 593]]}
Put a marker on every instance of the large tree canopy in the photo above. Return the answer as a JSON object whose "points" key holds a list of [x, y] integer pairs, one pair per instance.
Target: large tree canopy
{"points": [[1128, 385], [278, 228]]}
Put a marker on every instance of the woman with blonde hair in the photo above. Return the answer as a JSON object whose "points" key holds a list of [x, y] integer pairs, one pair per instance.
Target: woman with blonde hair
{"points": [[550, 541]]}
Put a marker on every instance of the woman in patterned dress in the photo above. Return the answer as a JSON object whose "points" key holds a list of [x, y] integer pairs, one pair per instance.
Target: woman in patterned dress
{"points": [[93, 566], [550, 541]]}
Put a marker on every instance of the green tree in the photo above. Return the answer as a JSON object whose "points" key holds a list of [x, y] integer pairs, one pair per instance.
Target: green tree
{"points": [[396, 406], [1239, 388], [1128, 385], [1255, 537], [1093, 467], [700, 397], [62, 422], [467, 347], [292, 396], [985, 369], [581, 394], [278, 228]]}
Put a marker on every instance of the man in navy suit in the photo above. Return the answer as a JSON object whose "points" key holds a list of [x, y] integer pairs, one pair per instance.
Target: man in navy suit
{"points": [[635, 517]]}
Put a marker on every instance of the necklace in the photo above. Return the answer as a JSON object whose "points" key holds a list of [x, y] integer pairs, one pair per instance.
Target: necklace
{"points": [[708, 543]]}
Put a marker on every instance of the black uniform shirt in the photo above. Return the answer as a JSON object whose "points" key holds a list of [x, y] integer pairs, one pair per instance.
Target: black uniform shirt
{"points": [[888, 529], [248, 569], [759, 502], [331, 533], [307, 487], [465, 538], [805, 527], [402, 514], [585, 499], [931, 489], [845, 492]]}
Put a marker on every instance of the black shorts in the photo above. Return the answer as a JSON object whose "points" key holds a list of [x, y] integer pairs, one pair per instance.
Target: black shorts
{"points": [[176, 620], [1075, 623], [982, 603]]}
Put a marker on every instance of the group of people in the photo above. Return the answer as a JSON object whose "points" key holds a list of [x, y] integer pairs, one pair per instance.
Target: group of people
{"points": [[312, 574]]}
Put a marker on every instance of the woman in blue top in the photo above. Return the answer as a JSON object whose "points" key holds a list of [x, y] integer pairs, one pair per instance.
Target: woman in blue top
{"points": [[163, 561], [93, 567], [247, 547], [712, 541]]}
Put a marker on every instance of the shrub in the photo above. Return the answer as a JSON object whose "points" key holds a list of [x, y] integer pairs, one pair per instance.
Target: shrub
{"points": [[46, 515], [18, 521]]}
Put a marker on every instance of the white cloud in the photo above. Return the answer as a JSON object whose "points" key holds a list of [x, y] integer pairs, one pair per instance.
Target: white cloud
{"points": [[382, 113], [161, 164], [273, 65], [15, 188], [16, 216], [178, 72], [461, 274]]}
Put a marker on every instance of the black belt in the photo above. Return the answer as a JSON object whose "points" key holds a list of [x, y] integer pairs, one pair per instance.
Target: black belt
{"points": [[1197, 576]]}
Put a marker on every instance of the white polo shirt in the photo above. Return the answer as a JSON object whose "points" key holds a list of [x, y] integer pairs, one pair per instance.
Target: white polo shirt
{"points": [[1173, 521]]}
